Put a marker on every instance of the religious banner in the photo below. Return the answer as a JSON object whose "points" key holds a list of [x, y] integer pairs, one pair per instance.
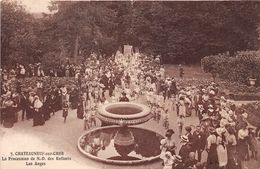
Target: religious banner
{"points": [[128, 50]]}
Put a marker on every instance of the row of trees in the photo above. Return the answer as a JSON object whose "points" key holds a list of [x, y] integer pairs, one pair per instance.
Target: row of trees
{"points": [[179, 31]]}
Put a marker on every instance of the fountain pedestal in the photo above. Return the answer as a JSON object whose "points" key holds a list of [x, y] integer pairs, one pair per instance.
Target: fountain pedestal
{"points": [[122, 144]]}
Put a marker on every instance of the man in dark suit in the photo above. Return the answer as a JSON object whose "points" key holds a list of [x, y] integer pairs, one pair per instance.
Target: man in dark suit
{"points": [[123, 98], [185, 148], [24, 103], [189, 135], [199, 140]]}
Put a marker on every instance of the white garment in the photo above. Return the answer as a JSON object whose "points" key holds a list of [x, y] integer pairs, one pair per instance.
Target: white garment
{"points": [[222, 153], [37, 104], [242, 134], [182, 108]]}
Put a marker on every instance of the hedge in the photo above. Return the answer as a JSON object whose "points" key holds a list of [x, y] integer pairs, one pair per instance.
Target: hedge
{"points": [[238, 68], [253, 110]]}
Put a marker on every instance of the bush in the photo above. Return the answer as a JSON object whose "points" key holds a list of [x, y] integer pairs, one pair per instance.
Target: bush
{"points": [[237, 68], [253, 110]]}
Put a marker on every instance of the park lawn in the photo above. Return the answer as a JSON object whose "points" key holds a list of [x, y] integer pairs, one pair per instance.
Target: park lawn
{"points": [[190, 72]]}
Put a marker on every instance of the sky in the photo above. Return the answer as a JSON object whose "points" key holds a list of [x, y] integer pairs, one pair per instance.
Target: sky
{"points": [[36, 6]]}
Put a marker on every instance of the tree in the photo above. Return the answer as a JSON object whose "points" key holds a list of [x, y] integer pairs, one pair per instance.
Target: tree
{"points": [[182, 31], [84, 26], [178, 31], [17, 37]]}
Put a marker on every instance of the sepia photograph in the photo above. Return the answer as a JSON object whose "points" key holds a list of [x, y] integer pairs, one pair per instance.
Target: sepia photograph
{"points": [[130, 84]]}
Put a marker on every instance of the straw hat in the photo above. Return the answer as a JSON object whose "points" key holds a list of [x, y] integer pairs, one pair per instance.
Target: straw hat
{"points": [[210, 106], [178, 158], [210, 109], [184, 139], [212, 92]]}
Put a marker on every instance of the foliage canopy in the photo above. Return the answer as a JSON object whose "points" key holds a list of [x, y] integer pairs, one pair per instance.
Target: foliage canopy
{"points": [[178, 31]]}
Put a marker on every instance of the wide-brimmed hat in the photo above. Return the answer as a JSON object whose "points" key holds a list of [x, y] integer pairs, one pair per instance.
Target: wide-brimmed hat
{"points": [[178, 158], [184, 139], [188, 128], [212, 92], [169, 132], [101, 85], [206, 117], [210, 106]]}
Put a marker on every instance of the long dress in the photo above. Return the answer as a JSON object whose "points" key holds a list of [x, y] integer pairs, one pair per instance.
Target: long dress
{"points": [[212, 161], [242, 144], [47, 108], [182, 109], [73, 99], [222, 152], [80, 110], [168, 145], [37, 113], [8, 114], [168, 163], [38, 118], [231, 150]]}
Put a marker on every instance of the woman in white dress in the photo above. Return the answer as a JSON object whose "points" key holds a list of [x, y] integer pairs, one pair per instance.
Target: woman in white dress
{"points": [[168, 143], [168, 160], [221, 148], [182, 107]]}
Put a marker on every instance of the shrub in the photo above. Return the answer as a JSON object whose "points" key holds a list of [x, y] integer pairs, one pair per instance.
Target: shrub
{"points": [[237, 68], [253, 110]]}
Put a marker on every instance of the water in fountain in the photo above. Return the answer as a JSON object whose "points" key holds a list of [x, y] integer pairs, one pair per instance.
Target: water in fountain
{"points": [[123, 110], [122, 144]]}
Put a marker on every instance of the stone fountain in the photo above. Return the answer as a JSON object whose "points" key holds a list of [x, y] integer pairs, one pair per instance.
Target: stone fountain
{"points": [[117, 143]]}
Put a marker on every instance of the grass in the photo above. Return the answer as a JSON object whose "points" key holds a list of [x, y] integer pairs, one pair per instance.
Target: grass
{"points": [[190, 72]]}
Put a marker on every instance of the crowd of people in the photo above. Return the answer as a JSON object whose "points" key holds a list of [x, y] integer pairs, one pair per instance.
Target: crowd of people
{"points": [[223, 131]]}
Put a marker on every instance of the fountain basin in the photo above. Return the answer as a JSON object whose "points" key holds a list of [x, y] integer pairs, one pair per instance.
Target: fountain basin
{"points": [[127, 112], [117, 145]]}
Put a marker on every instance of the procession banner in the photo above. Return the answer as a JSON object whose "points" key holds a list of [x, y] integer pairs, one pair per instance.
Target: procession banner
{"points": [[128, 50]]}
